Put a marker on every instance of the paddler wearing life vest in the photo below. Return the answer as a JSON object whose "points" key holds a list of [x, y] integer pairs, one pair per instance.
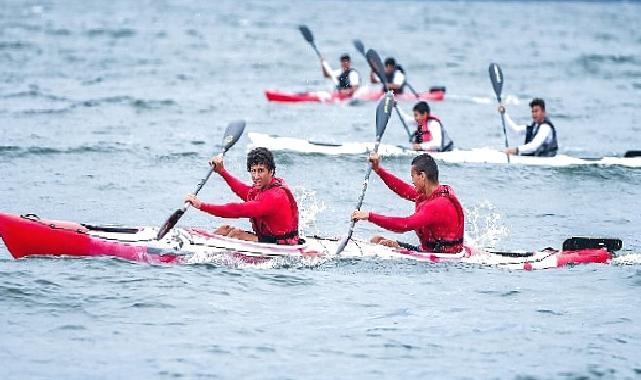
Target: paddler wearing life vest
{"points": [[540, 135], [430, 135], [347, 77], [268, 203], [438, 218], [394, 74]]}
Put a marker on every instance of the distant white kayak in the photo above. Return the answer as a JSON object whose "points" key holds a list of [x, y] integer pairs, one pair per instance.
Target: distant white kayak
{"points": [[473, 156]]}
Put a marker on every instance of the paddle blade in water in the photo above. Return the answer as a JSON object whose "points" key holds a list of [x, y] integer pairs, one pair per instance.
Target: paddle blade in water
{"points": [[358, 44], [496, 77], [307, 34], [376, 64], [170, 223], [232, 133], [383, 112]]}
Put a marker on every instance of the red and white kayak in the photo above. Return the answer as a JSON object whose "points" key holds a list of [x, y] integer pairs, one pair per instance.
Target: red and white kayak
{"points": [[435, 94], [28, 235]]}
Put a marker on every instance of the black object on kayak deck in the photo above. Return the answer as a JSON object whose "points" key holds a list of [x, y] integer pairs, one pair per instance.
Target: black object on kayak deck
{"points": [[383, 113], [496, 77], [632, 154], [232, 133], [578, 243]]}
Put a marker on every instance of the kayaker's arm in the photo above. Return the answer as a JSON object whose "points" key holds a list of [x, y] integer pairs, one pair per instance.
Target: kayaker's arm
{"points": [[421, 218], [251, 209], [537, 141], [399, 224], [397, 185], [516, 128], [327, 70], [239, 188]]}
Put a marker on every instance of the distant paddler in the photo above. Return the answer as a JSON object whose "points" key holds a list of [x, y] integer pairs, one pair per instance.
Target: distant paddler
{"points": [[347, 77], [430, 134], [268, 202], [438, 219], [540, 135], [395, 75]]}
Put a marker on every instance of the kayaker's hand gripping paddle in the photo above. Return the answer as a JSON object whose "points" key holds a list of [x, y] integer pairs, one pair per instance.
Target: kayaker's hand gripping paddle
{"points": [[383, 113], [309, 37], [232, 134]]}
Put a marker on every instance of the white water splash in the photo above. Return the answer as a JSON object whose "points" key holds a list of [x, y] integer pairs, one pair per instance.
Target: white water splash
{"points": [[308, 207], [627, 259], [484, 226]]}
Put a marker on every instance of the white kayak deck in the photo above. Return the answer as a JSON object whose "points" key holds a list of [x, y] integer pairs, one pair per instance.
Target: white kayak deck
{"points": [[473, 156], [199, 246]]}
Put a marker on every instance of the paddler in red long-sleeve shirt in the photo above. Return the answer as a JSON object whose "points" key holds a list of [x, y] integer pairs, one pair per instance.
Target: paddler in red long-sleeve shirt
{"points": [[438, 218], [269, 203]]}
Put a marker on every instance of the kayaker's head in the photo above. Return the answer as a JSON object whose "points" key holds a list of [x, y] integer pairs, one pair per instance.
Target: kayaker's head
{"points": [[390, 65], [261, 166], [346, 62], [538, 110], [424, 174], [421, 112]]}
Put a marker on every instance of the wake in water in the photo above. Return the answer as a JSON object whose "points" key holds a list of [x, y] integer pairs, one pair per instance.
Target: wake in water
{"points": [[308, 207], [484, 226]]}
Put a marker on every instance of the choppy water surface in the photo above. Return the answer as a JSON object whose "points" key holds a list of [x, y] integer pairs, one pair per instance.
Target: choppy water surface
{"points": [[108, 112]]}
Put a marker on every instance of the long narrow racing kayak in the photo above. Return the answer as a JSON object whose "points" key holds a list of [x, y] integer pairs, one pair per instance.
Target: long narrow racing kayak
{"points": [[435, 94], [473, 156], [28, 235]]}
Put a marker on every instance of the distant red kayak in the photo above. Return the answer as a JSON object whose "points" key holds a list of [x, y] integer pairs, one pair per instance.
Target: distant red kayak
{"points": [[435, 94]]}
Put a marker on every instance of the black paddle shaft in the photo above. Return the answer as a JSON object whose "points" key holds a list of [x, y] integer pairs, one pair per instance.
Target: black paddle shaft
{"points": [[383, 113], [496, 77], [232, 133]]}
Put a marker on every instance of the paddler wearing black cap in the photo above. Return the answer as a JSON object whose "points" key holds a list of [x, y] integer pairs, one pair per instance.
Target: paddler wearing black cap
{"points": [[347, 77], [540, 135]]}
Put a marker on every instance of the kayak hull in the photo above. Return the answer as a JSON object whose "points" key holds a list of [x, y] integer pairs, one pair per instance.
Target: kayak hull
{"points": [[472, 156], [336, 97], [28, 235]]}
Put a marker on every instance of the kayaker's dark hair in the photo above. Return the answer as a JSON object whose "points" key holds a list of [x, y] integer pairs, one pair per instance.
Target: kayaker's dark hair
{"points": [[389, 61], [538, 102], [422, 107], [426, 164], [263, 156], [345, 57]]}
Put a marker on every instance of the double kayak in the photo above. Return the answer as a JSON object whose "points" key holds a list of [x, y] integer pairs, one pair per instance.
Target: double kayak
{"points": [[28, 235], [473, 156], [434, 94]]}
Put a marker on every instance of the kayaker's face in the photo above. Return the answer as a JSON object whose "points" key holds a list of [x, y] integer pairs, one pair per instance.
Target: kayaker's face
{"points": [[261, 176], [419, 180], [538, 114], [345, 64], [420, 117], [389, 69]]}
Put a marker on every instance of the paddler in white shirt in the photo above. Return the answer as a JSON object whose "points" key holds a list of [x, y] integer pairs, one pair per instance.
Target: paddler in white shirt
{"points": [[540, 135], [394, 75], [347, 77], [430, 135]]}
